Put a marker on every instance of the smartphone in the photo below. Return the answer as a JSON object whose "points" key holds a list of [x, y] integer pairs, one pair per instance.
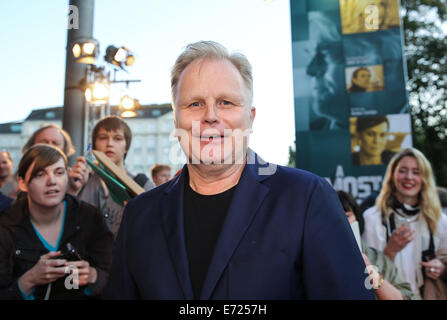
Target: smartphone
{"points": [[403, 223], [70, 254]]}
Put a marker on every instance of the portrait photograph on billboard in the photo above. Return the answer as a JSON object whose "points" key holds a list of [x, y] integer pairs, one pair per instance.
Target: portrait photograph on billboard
{"points": [[349, 76], [376, 139], [364, 79]]}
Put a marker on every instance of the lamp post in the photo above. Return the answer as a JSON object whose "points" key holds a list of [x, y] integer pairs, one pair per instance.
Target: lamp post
{"points": [[74, 103], [96, 82], [88, 85]]}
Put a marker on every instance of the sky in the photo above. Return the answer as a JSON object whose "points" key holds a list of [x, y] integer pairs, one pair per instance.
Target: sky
{"points": [[33, 37]]}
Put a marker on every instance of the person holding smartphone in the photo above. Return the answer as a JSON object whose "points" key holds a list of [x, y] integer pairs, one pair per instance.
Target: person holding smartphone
{"points": [[407, 224], [383, 274], [52, 246]]}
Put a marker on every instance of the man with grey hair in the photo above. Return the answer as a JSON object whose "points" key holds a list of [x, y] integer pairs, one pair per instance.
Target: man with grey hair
{"points": [[230, 226]]}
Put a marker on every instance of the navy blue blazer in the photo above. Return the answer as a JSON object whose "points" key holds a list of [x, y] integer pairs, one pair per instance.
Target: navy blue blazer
{"points": [[285, 236]]}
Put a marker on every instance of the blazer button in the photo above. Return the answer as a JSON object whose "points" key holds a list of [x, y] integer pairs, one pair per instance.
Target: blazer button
{"points": [[18, 252], [78, 227]]}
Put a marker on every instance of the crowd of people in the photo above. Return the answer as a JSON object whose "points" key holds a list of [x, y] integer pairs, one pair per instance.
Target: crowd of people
{"points": [[56, 218], [216, 230]]}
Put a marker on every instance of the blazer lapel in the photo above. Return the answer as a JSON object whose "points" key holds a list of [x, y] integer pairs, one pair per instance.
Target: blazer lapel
{"points": [[172, 222], [246, 201]]}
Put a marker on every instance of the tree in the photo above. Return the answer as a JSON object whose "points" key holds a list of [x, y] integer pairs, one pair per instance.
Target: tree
{"points": [[292, 156], [426, 55]]}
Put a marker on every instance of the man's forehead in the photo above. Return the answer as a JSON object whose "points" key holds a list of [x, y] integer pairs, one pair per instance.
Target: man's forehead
{"points": [[329, 46], [103, 130], [207, 66], [193, 85], [326, 47], [49, 132]]}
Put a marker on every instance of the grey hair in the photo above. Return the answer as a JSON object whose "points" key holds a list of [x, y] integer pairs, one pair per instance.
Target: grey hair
{"points": [[211, 50]]}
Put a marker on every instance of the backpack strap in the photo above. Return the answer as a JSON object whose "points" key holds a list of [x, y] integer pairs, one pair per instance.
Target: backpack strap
{"points": [[429, 254]]}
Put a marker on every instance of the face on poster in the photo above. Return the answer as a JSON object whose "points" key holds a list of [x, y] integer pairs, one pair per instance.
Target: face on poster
{"points": [[326, 54], [376, 139], [348, 65], [364, 79]]}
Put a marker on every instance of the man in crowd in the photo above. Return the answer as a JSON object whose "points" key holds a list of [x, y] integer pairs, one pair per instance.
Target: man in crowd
{"points": [[112, 136], [228, 226], [160, 174], [8, 184]]}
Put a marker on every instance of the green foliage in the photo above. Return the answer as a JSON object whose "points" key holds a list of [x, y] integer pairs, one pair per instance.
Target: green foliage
{"points": [[292, 156], [426, 55]]}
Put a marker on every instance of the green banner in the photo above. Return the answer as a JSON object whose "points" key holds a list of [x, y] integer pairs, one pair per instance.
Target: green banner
{"points": [[351, 105]]}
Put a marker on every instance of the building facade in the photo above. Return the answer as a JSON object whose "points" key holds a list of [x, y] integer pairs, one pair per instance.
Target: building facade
{"points": [[11, 140]]}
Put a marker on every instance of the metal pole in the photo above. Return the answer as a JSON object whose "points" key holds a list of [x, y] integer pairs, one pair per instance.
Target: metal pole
{"points": [[74, 102]]}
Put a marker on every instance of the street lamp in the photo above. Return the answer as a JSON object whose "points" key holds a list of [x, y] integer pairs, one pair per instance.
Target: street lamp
{"points": [[129, 106], [97, 82], [98, 92], [85, 50], [119, 56]]}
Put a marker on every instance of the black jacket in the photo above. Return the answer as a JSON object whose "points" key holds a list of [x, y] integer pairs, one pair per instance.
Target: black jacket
{"points": [[20, 248], [5, 202]]}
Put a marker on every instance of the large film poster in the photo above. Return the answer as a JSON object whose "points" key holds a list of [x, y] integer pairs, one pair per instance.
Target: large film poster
{"points": [[351, 106]]}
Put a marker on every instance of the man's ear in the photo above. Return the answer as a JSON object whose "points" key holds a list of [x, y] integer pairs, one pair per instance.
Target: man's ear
{"points": [[252, 114], [22, 185], [175, 118]]}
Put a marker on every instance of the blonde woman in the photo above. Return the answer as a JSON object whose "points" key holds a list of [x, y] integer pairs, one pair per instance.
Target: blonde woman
{"points": [[407, 223]]}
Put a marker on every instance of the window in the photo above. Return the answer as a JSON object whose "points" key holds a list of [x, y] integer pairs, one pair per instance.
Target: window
{"points": [[167, 126], [150, 142], [137, 127], [150, 158], [50, 115], [136, 160], [151, 127], [137, 142]]}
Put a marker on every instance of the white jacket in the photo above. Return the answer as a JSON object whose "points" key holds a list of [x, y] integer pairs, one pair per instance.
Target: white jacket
{"points": [[408, 259]]}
